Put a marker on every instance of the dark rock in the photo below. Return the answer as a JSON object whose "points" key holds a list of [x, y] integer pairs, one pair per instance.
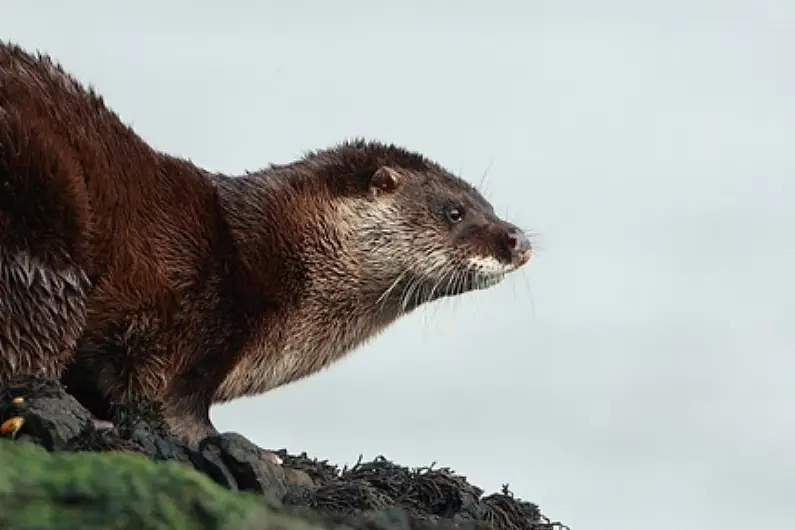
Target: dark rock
{"points": [[376, 495], [250, 466], [52, 417]]}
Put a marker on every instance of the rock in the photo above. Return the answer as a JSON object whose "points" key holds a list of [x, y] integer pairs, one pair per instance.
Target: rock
{"points": [[249, 467], [133, 474], [52, 417]]}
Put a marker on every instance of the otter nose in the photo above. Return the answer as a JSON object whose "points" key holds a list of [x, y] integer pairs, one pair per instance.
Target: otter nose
{"points": [[519, 245]]}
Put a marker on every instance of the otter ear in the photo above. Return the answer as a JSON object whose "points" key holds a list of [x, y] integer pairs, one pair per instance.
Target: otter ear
{"points": [[385, 180]]}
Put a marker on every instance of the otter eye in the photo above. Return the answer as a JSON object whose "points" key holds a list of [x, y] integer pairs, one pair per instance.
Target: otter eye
{"points": [[454, 214]]}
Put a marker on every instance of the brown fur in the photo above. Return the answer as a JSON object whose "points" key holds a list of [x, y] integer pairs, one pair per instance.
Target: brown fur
{"points": [[135, 275]]}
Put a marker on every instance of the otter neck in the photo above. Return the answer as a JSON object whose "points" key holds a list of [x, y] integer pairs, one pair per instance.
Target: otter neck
{"points": [[321, 304], [315, 250]]}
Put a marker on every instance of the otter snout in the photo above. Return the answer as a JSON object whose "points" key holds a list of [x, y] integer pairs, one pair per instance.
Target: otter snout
{"points": [[518, 245]]}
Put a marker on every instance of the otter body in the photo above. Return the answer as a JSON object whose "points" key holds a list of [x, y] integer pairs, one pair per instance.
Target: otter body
{"points": [[135, 275]]}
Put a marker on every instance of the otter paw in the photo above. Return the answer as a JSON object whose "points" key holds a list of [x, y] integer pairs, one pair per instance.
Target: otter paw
{"points": [[11, 426]]}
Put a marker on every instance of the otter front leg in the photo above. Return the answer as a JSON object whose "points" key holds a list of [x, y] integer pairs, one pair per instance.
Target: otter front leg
{"points": [[99, 382], [42, 313], [188, 417]]}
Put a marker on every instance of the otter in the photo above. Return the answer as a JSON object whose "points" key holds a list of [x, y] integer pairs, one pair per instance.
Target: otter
{"points": [[134, 275]]}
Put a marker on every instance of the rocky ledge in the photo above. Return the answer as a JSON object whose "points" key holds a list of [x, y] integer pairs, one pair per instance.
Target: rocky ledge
{"points": [[60, 468]]}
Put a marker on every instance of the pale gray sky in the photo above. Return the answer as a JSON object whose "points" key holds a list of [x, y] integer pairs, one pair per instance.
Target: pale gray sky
{"points": [[639, 373]]}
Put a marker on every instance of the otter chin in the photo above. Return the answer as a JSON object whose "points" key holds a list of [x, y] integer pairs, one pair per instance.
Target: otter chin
{"points": [[151, 279]]}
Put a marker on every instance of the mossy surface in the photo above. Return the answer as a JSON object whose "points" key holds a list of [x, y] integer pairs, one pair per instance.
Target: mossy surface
{"points": [[119, 491]]}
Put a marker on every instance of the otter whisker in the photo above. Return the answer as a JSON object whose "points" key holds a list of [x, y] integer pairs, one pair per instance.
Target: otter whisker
{"points": [[415, 294], [447, 279], [434, 287], [529, 295], [404, 293], [445, 271], [382, 299], [457, 279], [434, 264], [418, 264], [457, 275], [461, 282], [483, 177], [462, 287], [407, 292]]}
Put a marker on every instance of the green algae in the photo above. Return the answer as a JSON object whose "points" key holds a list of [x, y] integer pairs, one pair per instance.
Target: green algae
{"points": [[41, 490]]}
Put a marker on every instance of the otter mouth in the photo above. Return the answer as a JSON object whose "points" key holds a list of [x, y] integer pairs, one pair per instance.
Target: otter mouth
{"points": [[475, 280], [420, 290]]}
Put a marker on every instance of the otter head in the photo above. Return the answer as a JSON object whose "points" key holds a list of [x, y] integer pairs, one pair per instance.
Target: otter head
{"points": [[423, 233]]}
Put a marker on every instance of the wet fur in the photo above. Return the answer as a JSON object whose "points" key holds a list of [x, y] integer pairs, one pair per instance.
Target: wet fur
{"points": [[42, 312], [135, 275]]}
